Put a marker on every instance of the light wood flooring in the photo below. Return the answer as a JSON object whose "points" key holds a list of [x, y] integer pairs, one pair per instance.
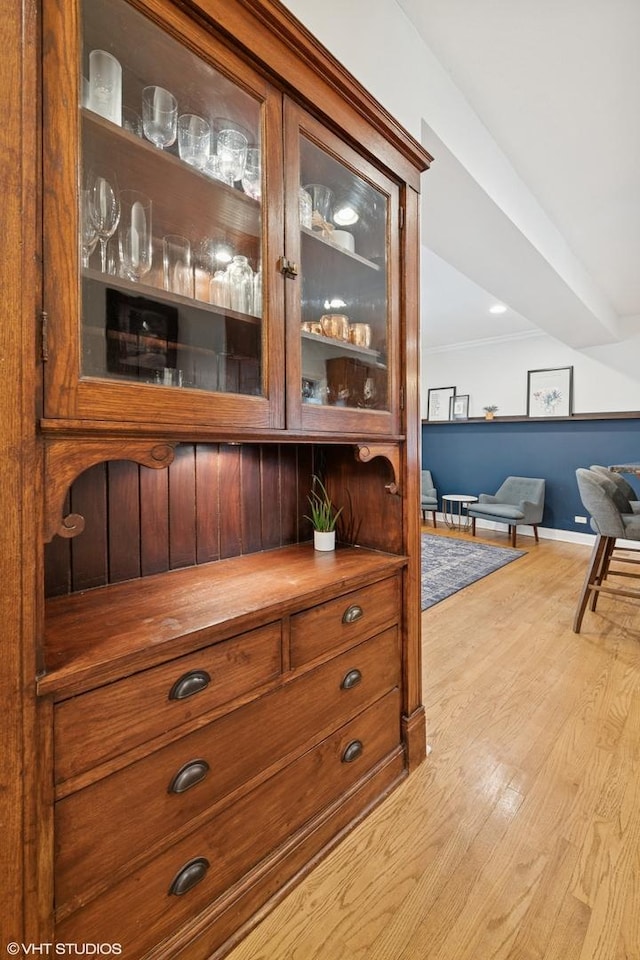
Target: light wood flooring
{"points": [[519, 837]]}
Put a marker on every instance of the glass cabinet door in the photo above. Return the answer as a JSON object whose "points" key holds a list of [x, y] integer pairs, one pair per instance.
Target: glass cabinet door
{"points": [[171, 226], [343, 302]]}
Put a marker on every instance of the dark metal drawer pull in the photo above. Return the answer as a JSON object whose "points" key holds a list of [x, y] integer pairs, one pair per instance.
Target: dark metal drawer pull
{"points": [[353, 751], [351, 679], [191, 874], [352, 613], [188, 775], [190, 683]]}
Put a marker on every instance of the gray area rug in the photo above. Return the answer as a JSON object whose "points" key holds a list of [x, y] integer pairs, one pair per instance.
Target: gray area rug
{"points": [[449, 564]]}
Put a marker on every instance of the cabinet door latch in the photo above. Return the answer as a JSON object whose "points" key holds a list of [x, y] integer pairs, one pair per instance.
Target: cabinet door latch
{"points": [[288, 267], [44, 335]]}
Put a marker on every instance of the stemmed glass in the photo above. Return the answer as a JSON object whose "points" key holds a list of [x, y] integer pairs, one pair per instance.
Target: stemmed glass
{"points": [[103, 204], [88, 230], [252, 174], [159, 116], [135, 243], [231, 149]]}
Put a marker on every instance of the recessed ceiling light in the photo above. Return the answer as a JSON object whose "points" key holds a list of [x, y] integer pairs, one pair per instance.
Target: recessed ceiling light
{"points": [[345, 215], [498, 308]]}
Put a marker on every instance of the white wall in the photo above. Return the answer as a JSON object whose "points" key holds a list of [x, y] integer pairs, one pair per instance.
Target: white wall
{"points": [[495, 372]]}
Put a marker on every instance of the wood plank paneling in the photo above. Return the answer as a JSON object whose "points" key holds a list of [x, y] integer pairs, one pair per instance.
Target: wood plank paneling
{"points": [[182, 508], [154, 521], [89, 553], [207, 513], [230, 502], [213, 502], [124, 520]]}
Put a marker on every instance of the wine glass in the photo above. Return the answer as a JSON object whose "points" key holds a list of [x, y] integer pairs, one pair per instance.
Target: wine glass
{"points": [[231, 149], [89, 233], [159, 116], [252, 174], [104, 209], [135, 244]]}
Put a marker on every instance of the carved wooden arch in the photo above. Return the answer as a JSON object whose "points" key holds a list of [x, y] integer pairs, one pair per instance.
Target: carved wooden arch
{"points": [[66, 459], [390, 451]]}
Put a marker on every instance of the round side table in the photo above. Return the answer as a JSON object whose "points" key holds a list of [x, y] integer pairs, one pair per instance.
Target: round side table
{"points": [[452, 506]]}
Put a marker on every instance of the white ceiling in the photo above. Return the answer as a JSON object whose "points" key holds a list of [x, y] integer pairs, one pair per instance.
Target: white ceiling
{"points": [[556, 87]]}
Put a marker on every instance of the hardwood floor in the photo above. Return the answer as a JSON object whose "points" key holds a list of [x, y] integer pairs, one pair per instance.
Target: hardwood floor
{"points": [[519, 837]]}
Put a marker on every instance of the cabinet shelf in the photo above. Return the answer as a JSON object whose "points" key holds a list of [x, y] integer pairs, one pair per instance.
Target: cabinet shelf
{"points": [[341, 347], [166, 296], [355, 257]]}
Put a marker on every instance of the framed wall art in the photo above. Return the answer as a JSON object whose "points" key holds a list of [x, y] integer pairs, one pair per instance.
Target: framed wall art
{"points": [[459, 407], [550, 392], [438, 401]]}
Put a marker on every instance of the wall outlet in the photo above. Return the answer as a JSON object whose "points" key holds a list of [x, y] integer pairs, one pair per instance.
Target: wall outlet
{"points": [[579, 519]]}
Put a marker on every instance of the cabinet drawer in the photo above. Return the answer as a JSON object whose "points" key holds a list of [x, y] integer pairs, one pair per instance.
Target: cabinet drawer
{"points": [[101, 724], [348, 619], [141, 808], [219, 853]]}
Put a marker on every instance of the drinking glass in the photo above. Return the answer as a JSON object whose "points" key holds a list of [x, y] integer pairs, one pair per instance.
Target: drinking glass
{"points": [[194, 140], [240, 280], [88, 229], [103, 203], [135, 239], [132, 121], [321, 198], [231, 149], [105, 86], [176, 265], [159, 116], [252, 174]]}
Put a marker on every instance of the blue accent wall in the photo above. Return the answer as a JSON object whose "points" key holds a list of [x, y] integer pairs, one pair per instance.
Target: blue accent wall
{"points": [[475, 457]]}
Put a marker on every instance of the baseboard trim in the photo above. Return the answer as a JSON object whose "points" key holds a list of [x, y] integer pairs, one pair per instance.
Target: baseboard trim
{"points": [[545, 533]]}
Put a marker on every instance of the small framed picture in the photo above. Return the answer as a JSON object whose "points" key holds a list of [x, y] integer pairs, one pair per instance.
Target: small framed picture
{"points": [[550, 392], [438, 402], [459, 407]]}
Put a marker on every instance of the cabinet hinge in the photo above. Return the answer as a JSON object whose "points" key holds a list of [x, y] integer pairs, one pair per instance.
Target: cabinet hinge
{"points": [[288, 267], [44, 335], [401, 217]]}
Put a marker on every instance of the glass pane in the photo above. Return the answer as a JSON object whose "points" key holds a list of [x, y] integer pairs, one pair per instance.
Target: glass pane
{"points": [[343, 225], [170, 211]]}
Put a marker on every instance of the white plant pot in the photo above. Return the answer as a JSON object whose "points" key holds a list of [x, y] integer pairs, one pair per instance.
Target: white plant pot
{"points": [[324, 540]]}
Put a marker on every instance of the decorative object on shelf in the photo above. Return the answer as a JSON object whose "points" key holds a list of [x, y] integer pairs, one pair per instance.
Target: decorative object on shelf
{"points": [[550, 392], [323, 517], [159, 116], [360, 334], [490, 411], [105, 86], [459, 407], [335, 325], [438, 400], [344, 239]]}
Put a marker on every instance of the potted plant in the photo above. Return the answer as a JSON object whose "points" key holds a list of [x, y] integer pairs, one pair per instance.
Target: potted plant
{"points": [[323, 516], [489, 411]]}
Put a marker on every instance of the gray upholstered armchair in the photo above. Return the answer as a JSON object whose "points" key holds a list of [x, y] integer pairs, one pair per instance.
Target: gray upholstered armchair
{"points": [[429, 502], [520, 500]]}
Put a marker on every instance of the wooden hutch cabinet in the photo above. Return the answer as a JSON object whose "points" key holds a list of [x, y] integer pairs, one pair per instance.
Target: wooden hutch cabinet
{"points": [[210, 282]]}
